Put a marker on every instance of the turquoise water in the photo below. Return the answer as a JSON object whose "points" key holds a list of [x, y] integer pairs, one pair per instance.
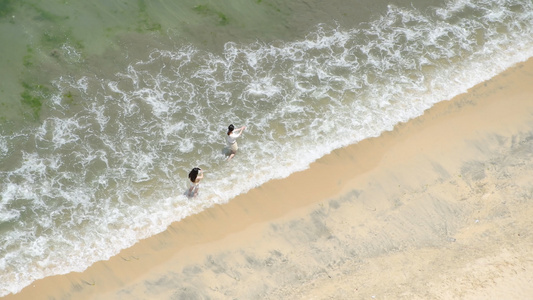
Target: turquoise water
{"points": [[106, 106]]}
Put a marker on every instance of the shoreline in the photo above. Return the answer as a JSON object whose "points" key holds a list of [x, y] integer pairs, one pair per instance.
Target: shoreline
{"points": [[365, 220]]}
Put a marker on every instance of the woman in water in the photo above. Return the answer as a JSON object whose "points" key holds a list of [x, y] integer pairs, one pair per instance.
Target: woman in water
{"points": [[195, 176], [231, 139]]}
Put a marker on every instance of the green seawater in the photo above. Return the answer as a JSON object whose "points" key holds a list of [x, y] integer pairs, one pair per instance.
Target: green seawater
{"points": [[42, 41]]}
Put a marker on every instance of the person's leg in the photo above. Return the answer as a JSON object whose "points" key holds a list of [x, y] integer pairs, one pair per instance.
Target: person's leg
{"points": [[233, 150]]}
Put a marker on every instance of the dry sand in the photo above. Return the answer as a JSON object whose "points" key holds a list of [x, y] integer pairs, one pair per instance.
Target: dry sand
{"points": [[439, 208]]}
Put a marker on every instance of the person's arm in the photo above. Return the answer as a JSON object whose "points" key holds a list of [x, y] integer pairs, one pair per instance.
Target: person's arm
{"points": [[237, 132], [200, 175]]}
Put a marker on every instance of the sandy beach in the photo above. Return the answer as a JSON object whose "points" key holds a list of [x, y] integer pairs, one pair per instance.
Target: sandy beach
{"points": [[439, 208]]}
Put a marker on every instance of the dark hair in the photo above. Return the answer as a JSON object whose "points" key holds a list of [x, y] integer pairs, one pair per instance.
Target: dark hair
{"points": [[230, 128], [193, 174]]}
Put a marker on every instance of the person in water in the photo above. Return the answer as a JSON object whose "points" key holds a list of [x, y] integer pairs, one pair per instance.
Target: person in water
{"points": [[195, 176], [231, 139]]}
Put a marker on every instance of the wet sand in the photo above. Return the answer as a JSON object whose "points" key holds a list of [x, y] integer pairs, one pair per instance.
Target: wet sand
{"points": [[439, 208]]}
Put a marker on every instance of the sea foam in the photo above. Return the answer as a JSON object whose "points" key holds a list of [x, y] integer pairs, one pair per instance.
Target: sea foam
{"points": [[103, 172]]}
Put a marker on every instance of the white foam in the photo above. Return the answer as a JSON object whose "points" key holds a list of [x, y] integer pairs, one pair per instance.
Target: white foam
{"points": [[3, 146], [7, 216], [71, 53], [115, 170]]}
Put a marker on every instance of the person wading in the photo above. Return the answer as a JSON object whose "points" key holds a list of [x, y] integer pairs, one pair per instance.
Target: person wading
{"points": [[231, 139], [195, 176]]}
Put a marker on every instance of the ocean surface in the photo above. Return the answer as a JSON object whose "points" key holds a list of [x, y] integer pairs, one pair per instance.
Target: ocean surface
{"points": [[106, 105]]}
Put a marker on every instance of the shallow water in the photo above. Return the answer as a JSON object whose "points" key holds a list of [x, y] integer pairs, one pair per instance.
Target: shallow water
{"points": [[107, 105]]}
